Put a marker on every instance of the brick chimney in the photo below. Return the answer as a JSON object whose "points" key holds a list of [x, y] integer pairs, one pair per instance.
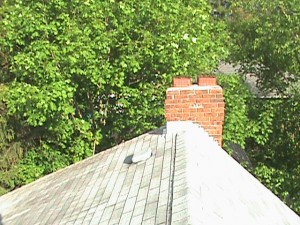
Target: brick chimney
{"points": [[202, 103]]}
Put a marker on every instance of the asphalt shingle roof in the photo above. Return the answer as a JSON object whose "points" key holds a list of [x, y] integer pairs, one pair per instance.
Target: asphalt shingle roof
{"points": [[188, 179], [102, 189]]}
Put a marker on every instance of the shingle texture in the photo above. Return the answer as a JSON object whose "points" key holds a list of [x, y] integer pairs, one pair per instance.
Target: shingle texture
{"points": [[188, 179], [100, 190]]}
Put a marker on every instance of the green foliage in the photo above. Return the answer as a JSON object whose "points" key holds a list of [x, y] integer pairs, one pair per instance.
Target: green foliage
{"points": [[278, 159], [84, 75], [266, 34], [11, 151], [220, 8], [240, 125], [273, 178]]}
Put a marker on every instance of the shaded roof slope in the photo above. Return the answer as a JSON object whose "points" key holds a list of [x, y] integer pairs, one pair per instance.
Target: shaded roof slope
{"points": [[188, 179]]}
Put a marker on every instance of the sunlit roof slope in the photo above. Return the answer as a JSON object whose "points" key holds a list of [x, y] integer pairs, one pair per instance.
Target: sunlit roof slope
{"points": [[188, 179]]}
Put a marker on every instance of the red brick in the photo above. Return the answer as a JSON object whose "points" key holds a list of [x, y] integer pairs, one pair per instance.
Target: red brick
{"points": [[216, 100], [201, 92], [182, 96], [187, 92], [182, 81], [221, 105], [219, 110], [217, 91], [207, 81], [209, 105], [210, 96], [200, 110], [202, 100], [173, 92], [190, 110]]}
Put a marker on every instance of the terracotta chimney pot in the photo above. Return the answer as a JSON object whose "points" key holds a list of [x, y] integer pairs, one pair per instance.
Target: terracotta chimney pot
{"points": [[182, 82]]}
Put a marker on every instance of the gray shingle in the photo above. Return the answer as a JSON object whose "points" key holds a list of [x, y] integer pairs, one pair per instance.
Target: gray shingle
{"points": [[187, 180]]}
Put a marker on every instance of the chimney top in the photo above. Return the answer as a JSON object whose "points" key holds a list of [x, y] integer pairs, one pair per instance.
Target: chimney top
{"points": [[207, 81], [182, 82]]}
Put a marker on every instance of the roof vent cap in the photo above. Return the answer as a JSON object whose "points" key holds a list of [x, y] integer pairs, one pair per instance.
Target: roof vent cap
{"points": [[141, 155]]}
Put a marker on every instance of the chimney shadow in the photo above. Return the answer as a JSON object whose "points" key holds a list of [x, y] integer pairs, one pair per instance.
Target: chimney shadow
{"points": [[158, 131], [1, 221]]}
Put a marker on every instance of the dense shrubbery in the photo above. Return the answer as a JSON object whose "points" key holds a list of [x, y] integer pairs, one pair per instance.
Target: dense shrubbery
{"points": [[240, 125], [277, 162], [84, 75]]}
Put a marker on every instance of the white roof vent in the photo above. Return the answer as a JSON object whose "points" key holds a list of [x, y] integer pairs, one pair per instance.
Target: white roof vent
{"points": [[141, 155]]}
